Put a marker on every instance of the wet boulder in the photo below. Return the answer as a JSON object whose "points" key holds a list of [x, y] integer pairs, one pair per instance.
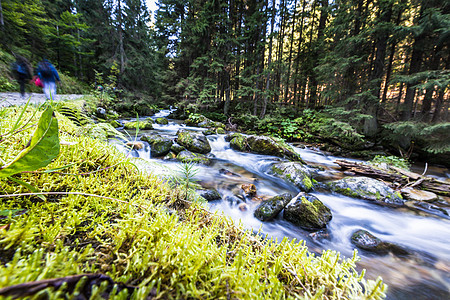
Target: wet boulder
{"points": [[249, 189], [176, 148], [307, 212], [195, 142], [228, 173], [170, 156], [271, 146], [418, 195], [161, 121], [220, 130], [195, 119], [269, 209], [238, 142], [320, 236], [188, 156], [209, 195], [294, 172], [233, 200], [203, 122], [135, 145], [366, 188], [367, 241], [208, 132], [143, 124], [159, 146]]}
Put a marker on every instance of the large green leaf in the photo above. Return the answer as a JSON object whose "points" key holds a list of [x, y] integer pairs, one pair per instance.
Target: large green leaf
{"points": [[42, 149]]}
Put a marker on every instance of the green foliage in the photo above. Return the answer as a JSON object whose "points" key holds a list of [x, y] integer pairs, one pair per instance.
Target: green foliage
{"points": [[215, 116], [394, 161], [6, 85], [186, 178], [432, 138], [196, 118], [42, 149]]}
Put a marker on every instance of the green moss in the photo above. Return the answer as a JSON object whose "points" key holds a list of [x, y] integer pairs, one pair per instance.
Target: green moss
{"points": [[307, 182], [162, 121], [143, 125], [134, 235]]}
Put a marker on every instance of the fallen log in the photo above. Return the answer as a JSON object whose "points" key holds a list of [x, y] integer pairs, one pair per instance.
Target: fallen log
{"points": [[398, 178]]}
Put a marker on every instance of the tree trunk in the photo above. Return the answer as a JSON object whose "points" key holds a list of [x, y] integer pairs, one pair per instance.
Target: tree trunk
{"points": [[297, 61], [371, 124], [391, 60], [1, 15], [280, 50], [440, 98], [269, 63], [414, 67], [426, 104], [315, 54], [121, 49], [288, 74]]}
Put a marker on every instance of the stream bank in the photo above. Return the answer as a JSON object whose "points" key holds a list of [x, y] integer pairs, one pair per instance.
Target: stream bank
{"points": [[419, 270], [94, 223]]}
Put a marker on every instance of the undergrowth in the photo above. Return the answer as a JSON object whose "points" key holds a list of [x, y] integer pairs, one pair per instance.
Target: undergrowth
{"points": [[102, 215]]}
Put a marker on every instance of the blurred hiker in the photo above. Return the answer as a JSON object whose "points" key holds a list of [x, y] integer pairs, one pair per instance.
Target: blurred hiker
{"points": [[48, 76], [22, 71]]}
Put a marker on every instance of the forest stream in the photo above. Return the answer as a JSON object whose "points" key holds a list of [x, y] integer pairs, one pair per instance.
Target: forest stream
{"points": [[424, 274]]}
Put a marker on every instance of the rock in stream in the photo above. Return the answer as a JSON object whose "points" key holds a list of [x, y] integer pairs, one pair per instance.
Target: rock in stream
{"points": [[307, 212], [366, 188], [195, 142]]}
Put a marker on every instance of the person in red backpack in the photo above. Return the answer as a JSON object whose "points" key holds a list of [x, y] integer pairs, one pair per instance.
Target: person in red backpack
{"points": [[48, 76]]}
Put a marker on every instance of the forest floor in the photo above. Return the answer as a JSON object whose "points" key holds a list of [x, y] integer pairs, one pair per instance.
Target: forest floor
{"points": [[11, 98]]}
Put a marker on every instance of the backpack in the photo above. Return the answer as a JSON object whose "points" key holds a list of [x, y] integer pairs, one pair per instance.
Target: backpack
{"points": [[45, 70], [20, 68]]}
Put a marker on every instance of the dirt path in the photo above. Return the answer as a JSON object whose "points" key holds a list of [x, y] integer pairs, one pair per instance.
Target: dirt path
{"points": [[8, 99]]}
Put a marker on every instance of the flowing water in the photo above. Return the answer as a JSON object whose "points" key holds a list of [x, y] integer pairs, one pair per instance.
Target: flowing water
{"points": [[423, 275]]}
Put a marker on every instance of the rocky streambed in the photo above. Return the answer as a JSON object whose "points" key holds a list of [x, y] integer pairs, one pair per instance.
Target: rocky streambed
{"points": [[299, 193]]}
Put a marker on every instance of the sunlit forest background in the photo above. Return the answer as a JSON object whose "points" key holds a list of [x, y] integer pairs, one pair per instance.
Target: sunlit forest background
{"points": [[379, 66]]}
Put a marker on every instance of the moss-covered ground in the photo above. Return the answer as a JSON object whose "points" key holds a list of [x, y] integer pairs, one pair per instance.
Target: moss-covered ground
{"points": [[101, 215]]}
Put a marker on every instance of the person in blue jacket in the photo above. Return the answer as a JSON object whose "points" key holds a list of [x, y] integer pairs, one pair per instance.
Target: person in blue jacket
{"points": [[22, 71], [48, 75]]}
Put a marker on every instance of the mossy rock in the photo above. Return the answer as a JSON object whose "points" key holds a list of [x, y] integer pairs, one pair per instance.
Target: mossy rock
{"points": [[161, 121], [220, 130], [170, 156], [208, 132], [307, 212], [159, 146], [209, 195], [194, 121], [272, 146], [195, 142], [188, 156], [176, 148], [367, 241], [366, 188], [239, 142], [249, 189], [269, 209], [203, 122], [146, 124], [295, 173]]}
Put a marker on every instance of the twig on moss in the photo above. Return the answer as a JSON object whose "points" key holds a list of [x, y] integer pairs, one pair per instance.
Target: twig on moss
{"points": [[63, 193]]}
